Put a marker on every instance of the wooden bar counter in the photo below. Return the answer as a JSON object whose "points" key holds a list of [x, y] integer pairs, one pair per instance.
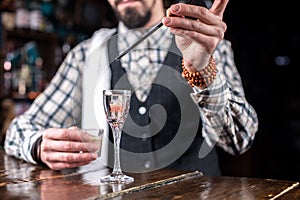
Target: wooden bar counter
{"points": [[21, 180]]}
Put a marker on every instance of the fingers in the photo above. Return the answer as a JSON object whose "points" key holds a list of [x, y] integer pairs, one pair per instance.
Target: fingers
{"points": [[52, 156], [71, 134], [218, 7], [196, 25], [199, 12], [63, 165], [211, 16], [69, 146], [68, 140], [60, 160], [184, 17], [191, 11], [60, 148]]}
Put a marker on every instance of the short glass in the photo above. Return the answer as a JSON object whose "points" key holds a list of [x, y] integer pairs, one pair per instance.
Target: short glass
{"points": [[92, 137]]}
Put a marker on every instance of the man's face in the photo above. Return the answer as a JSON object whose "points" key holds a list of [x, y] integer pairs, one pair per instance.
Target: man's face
{"points": [[133, 13]]}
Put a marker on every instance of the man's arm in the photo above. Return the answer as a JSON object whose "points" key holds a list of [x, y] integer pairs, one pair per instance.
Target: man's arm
{"points": [[55, 107], [229, 121]]}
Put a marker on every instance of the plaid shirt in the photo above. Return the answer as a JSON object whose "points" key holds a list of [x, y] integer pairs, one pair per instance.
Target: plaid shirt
{"points": [[229, 121]]}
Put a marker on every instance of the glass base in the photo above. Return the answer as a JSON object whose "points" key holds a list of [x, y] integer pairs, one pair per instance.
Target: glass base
{"points": [[116, 178]]}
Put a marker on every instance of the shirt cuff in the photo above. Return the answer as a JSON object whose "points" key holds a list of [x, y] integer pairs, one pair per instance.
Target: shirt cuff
{"points": [[30, 142], [214, 97], [36, 151]]}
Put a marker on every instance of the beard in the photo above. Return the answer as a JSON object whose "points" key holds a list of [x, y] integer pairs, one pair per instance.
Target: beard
{"points": [[133, 19]]}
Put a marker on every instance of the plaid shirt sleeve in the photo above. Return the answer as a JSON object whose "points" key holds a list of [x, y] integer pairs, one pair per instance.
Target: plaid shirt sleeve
{"points": [[229, 121], [57, 106]]}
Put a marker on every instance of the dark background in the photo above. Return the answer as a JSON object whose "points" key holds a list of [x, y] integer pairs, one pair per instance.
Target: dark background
{"points": [[265, 38]]}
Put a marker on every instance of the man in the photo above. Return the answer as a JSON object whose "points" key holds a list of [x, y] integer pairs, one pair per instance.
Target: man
{"points": [[183, 134]]}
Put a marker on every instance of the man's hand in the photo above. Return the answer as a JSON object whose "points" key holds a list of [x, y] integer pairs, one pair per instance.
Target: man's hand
{"points": [[67, 148], [198, 31]]}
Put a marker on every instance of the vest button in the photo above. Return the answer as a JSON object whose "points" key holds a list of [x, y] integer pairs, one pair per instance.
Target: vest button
{"points": [[147, 164], [144, 137], [142, 110]]}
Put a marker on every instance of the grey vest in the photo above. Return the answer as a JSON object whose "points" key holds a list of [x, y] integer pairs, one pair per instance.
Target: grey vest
{"points": [[164, 131]]}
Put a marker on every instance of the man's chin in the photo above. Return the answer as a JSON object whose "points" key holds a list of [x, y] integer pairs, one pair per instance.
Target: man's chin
{"points": [[133, 18]]}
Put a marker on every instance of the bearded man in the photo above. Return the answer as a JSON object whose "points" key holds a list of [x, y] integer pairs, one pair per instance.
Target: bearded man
{"points": [[174, 121]]}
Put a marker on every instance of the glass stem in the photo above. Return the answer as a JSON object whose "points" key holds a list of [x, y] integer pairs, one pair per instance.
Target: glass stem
{"points": [[117, 139]]}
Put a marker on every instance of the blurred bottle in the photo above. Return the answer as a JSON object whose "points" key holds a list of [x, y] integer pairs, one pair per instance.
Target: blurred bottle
{"points": [[37, 76], [36, 18], [22, 15]]}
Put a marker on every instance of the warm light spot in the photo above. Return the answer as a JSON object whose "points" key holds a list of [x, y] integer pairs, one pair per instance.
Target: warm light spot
{"points": [[33, 95], [7, 65]]}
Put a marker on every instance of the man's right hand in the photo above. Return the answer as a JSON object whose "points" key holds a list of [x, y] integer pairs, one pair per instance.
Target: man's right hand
{"points": [[66, 148]]}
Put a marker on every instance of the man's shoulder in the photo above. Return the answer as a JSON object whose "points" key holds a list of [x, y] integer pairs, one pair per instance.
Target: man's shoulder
{"points": [[83, 46], [96, 39]]}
